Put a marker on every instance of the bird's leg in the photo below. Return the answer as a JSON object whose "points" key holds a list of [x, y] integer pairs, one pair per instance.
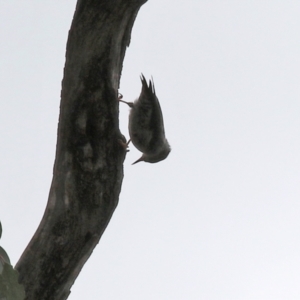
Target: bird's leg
{"points": [[124, 145], [120, 97], [121, 142]]}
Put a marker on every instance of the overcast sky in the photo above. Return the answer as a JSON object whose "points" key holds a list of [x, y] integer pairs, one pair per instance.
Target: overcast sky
{"points": [[220, 217]]}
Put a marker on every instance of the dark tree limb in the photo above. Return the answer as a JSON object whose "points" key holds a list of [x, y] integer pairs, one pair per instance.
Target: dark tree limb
{"points": [[88, 169]]}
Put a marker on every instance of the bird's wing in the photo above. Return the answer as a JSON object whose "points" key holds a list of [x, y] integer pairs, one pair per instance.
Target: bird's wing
{"points": [[151, 113]]}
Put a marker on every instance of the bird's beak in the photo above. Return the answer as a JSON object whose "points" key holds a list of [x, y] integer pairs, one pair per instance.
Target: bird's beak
{"points": [[140, 159]]}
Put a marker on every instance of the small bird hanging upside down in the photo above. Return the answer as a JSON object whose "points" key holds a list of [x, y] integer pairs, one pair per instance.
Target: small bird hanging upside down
{"points": [[146, 125]]}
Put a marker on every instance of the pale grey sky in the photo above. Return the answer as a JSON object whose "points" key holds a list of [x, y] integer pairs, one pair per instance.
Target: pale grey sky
{"points": [[220, 217]]}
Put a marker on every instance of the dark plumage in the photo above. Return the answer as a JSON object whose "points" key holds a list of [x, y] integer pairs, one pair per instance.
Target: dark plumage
{"points": [[146, 125]]}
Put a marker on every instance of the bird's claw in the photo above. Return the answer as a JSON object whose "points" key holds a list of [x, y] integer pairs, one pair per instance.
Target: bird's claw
{"points": [[124, 144], [120, 97]]}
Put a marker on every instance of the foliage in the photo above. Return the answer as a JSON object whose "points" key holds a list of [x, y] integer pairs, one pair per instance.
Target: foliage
{"points": [[10, 289]]}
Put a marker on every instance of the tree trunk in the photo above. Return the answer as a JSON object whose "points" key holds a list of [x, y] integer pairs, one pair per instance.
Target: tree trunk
{"points": [[88, 169]]}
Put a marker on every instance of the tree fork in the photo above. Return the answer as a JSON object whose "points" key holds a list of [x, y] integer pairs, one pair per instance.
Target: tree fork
{"points": [[88, 168]]}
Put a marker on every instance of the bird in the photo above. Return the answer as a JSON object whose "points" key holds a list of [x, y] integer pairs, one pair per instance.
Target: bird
{"points": [[146, 125]]}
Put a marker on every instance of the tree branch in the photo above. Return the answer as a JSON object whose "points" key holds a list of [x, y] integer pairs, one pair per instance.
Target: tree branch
{"points": [[88, 169]]}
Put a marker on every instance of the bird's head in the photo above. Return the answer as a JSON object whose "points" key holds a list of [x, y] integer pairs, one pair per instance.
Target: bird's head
{"points": [[157, 156]]}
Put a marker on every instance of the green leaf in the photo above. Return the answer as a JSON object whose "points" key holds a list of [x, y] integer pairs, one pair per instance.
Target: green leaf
{"points": [[10, 289], [3, 258]]}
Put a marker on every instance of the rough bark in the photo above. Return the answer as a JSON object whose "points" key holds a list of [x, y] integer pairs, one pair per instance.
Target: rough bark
{"points": [[88, 168]]}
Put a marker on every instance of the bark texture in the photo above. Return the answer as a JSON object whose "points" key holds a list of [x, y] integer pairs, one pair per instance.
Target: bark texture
{"points": [[88, 169]]}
